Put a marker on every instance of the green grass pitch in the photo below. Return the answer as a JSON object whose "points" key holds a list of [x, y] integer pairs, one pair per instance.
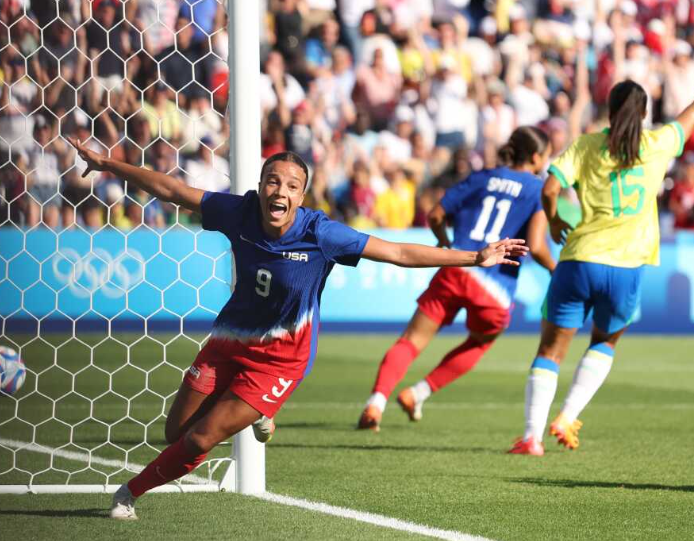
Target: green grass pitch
{"points": [[631, 478]]}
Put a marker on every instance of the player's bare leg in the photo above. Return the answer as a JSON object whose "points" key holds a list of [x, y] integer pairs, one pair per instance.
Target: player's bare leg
{"points": [[419, 332], [456, 363], [188, 407], [228, 416], [541, 386], [590, 374]]}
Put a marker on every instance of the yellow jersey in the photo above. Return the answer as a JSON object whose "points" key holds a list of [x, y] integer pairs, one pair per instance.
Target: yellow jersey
{"points": [[619, 226]]}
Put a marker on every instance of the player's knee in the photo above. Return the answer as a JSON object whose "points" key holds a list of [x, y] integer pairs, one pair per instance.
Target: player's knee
{"points": [[172, 433], [200, 442]]}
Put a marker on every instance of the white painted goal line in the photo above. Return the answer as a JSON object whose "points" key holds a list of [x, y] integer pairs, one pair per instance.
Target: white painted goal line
{"points": [[317, 507]]}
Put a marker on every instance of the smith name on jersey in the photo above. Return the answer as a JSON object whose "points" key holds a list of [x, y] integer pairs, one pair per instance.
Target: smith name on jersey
{"points": [[488, 206], [271, 321]]}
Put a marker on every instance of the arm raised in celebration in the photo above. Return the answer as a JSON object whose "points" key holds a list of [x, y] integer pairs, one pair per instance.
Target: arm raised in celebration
{"points": [[161, 186]]}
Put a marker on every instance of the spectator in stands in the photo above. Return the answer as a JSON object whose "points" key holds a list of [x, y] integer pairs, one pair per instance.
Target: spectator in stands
{"points": [[377, 90], [289, 33], [299, 135], [46, 160], [395, 206], [397, 142], [318, 196], [448, 92], [279, 90], [361, 194], [206, 170], [157, 19], [682, 195], [186, 66], [162, 114], [319, 50], [208, 16], [110, 43]]}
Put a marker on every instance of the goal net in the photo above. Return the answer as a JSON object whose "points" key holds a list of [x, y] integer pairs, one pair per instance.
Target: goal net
{"points": [[105, 292]]}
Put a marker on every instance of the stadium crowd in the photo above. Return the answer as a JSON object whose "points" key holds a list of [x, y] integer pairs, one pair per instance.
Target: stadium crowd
{"points": [[389, 101]]}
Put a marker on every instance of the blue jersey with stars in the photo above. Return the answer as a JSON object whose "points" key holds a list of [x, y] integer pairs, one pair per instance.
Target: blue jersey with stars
{"points": [[490, 205], [271, 321]]}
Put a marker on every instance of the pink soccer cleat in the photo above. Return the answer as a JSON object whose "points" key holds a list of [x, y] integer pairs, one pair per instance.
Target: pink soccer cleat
{"points": [[527, 447]]}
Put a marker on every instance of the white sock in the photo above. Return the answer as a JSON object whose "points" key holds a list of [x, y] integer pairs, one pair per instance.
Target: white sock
{"points": [[539, 394], [379, 400], [590, 374], [421, 390]]}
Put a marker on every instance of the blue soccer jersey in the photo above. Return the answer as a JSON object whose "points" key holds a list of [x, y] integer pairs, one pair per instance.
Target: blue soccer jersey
{"points": [[488, 206], [271, 321]]}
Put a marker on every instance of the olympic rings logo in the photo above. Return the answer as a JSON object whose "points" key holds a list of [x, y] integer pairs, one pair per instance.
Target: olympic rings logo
{"points": [[99, 271]]}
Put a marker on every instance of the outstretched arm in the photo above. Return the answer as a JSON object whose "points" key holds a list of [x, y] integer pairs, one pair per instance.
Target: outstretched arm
{"points": [[418, 255], [161, 186]]}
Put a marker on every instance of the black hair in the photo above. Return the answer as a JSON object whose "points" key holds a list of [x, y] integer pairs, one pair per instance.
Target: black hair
{"points": [[287, 156], [627, 106], [523, 144]]}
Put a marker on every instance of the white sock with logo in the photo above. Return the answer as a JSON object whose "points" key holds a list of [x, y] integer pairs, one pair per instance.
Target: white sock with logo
{"points": [[379, 400], [590, 374], [539, 394]]}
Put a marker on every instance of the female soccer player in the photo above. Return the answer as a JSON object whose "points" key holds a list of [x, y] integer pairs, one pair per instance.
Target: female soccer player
{"points": [[617, 174], [264, 340], [487, 205]]}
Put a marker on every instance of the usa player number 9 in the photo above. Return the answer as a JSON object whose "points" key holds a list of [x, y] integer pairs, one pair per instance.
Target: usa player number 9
{"points": [[264, 277]]}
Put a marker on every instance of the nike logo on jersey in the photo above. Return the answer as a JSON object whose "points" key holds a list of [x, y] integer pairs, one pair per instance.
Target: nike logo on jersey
{"points": [[295, 256], [277, 392]]}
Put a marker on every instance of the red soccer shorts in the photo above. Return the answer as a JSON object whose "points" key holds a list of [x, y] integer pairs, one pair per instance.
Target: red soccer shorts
{"points": [[214, 372], [451, 289]]}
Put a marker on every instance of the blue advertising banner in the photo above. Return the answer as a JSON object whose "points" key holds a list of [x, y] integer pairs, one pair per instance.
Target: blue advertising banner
{"points": [[179, 279]]}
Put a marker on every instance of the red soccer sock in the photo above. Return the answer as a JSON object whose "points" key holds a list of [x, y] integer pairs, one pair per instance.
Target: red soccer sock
{"points": [[458, 361], [175, 461], [394, 366]]}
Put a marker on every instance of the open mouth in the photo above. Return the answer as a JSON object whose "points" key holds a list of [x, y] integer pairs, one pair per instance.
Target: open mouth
{"points": [[277, 210]]}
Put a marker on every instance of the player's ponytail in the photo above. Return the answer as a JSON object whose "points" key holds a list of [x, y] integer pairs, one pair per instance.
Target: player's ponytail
{"points": [[627, 105], [523, 144]]}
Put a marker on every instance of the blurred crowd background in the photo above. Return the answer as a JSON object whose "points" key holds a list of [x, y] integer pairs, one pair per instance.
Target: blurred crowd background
{"points": [[390, 101]]}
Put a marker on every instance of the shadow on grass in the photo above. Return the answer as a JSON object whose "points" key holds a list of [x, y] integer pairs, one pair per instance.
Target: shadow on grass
{"points": [[58, 513], [572, 483], [400, 448]]}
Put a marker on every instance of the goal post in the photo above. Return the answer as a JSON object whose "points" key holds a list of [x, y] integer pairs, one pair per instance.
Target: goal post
{"points": [[107, 320]]}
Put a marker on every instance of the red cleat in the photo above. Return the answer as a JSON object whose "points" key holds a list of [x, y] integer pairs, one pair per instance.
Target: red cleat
{"points": [[527, 447]]}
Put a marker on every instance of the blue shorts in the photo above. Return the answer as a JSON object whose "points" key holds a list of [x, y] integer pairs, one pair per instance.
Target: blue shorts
{"points": [[613, 293]]}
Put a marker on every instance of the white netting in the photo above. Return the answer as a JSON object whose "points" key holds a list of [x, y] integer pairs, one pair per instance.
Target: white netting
{"points": [[103, 290]]}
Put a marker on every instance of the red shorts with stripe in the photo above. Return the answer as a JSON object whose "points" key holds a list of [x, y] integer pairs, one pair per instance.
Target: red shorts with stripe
{"points": [[452, 289], [214, 372]]}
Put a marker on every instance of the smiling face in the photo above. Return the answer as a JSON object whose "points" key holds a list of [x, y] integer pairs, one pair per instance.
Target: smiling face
{"points": [[281, 193]]}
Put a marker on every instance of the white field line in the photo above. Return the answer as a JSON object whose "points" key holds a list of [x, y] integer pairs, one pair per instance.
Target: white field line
{"points": [[342, 512], [89, 459], [370, 518]]}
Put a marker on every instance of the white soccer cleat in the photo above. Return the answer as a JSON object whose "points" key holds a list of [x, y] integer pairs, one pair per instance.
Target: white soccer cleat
{"points": [[263, 429], [123, 506]]}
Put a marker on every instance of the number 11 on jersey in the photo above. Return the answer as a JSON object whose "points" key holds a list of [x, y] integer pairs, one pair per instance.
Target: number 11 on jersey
{"points": [[488, 203]]}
